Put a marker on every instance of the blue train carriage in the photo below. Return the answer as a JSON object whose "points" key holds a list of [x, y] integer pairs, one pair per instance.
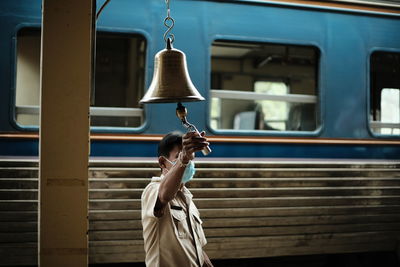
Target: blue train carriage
{"points": [[283, 80]]}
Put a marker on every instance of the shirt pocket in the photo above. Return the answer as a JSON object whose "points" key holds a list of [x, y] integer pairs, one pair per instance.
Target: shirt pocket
{"points": [[199, 229], [179, 220]]}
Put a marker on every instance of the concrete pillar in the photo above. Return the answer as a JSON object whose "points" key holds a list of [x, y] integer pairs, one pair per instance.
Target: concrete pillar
{"points": [[66, 69]]}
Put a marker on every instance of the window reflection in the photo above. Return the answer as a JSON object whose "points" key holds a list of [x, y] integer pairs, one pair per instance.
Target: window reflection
{"points": [[263, 87], [119, 79]]}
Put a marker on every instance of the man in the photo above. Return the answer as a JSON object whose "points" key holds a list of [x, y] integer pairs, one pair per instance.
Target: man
{"points": [[172, 230]]}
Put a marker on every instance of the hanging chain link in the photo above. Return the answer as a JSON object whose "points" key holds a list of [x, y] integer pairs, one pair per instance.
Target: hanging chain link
{"points": [[169, 22]]}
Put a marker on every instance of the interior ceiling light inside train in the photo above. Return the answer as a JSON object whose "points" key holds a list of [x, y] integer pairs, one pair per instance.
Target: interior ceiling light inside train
{"points": [[263, 54]]}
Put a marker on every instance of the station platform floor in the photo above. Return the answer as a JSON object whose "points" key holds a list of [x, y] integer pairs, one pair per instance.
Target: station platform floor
{"points": [[370, 259]]}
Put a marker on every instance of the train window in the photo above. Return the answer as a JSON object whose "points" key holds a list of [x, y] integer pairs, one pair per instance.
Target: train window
{"points": [[260, 86], [385, 93], [119, 79]]}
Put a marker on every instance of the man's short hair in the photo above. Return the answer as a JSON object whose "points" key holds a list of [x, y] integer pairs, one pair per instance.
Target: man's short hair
{"points": [[168, 143]]}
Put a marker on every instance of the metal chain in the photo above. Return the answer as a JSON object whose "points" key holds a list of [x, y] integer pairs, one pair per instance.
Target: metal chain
{"points": [[169, 22]]}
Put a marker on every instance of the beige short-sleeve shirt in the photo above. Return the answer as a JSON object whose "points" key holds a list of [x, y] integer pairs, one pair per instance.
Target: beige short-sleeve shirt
{"points": [[176, 238]]}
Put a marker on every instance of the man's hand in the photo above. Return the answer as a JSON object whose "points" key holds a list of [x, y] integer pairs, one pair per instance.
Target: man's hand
{"points": [[191, 143]]}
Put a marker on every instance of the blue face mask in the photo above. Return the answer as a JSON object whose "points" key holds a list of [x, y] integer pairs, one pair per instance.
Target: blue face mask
{"points": [[189, 172]]}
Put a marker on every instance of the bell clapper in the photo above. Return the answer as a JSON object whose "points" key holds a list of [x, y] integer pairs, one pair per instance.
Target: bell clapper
{"points": [[181, 113]]}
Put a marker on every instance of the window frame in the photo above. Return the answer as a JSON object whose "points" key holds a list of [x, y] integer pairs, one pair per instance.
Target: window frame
{"points": [[93, 129], [320, 82], [369, 97]]}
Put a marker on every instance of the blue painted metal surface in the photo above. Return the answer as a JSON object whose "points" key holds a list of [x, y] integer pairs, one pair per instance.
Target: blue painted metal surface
{"points": [[145, 149], [345, 41], [237, 150]]}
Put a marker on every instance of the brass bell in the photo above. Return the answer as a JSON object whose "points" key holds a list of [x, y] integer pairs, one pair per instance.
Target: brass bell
{"points": [[171, 81]]}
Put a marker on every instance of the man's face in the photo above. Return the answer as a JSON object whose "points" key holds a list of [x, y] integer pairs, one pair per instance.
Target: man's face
{"points": [[173, 156]]}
